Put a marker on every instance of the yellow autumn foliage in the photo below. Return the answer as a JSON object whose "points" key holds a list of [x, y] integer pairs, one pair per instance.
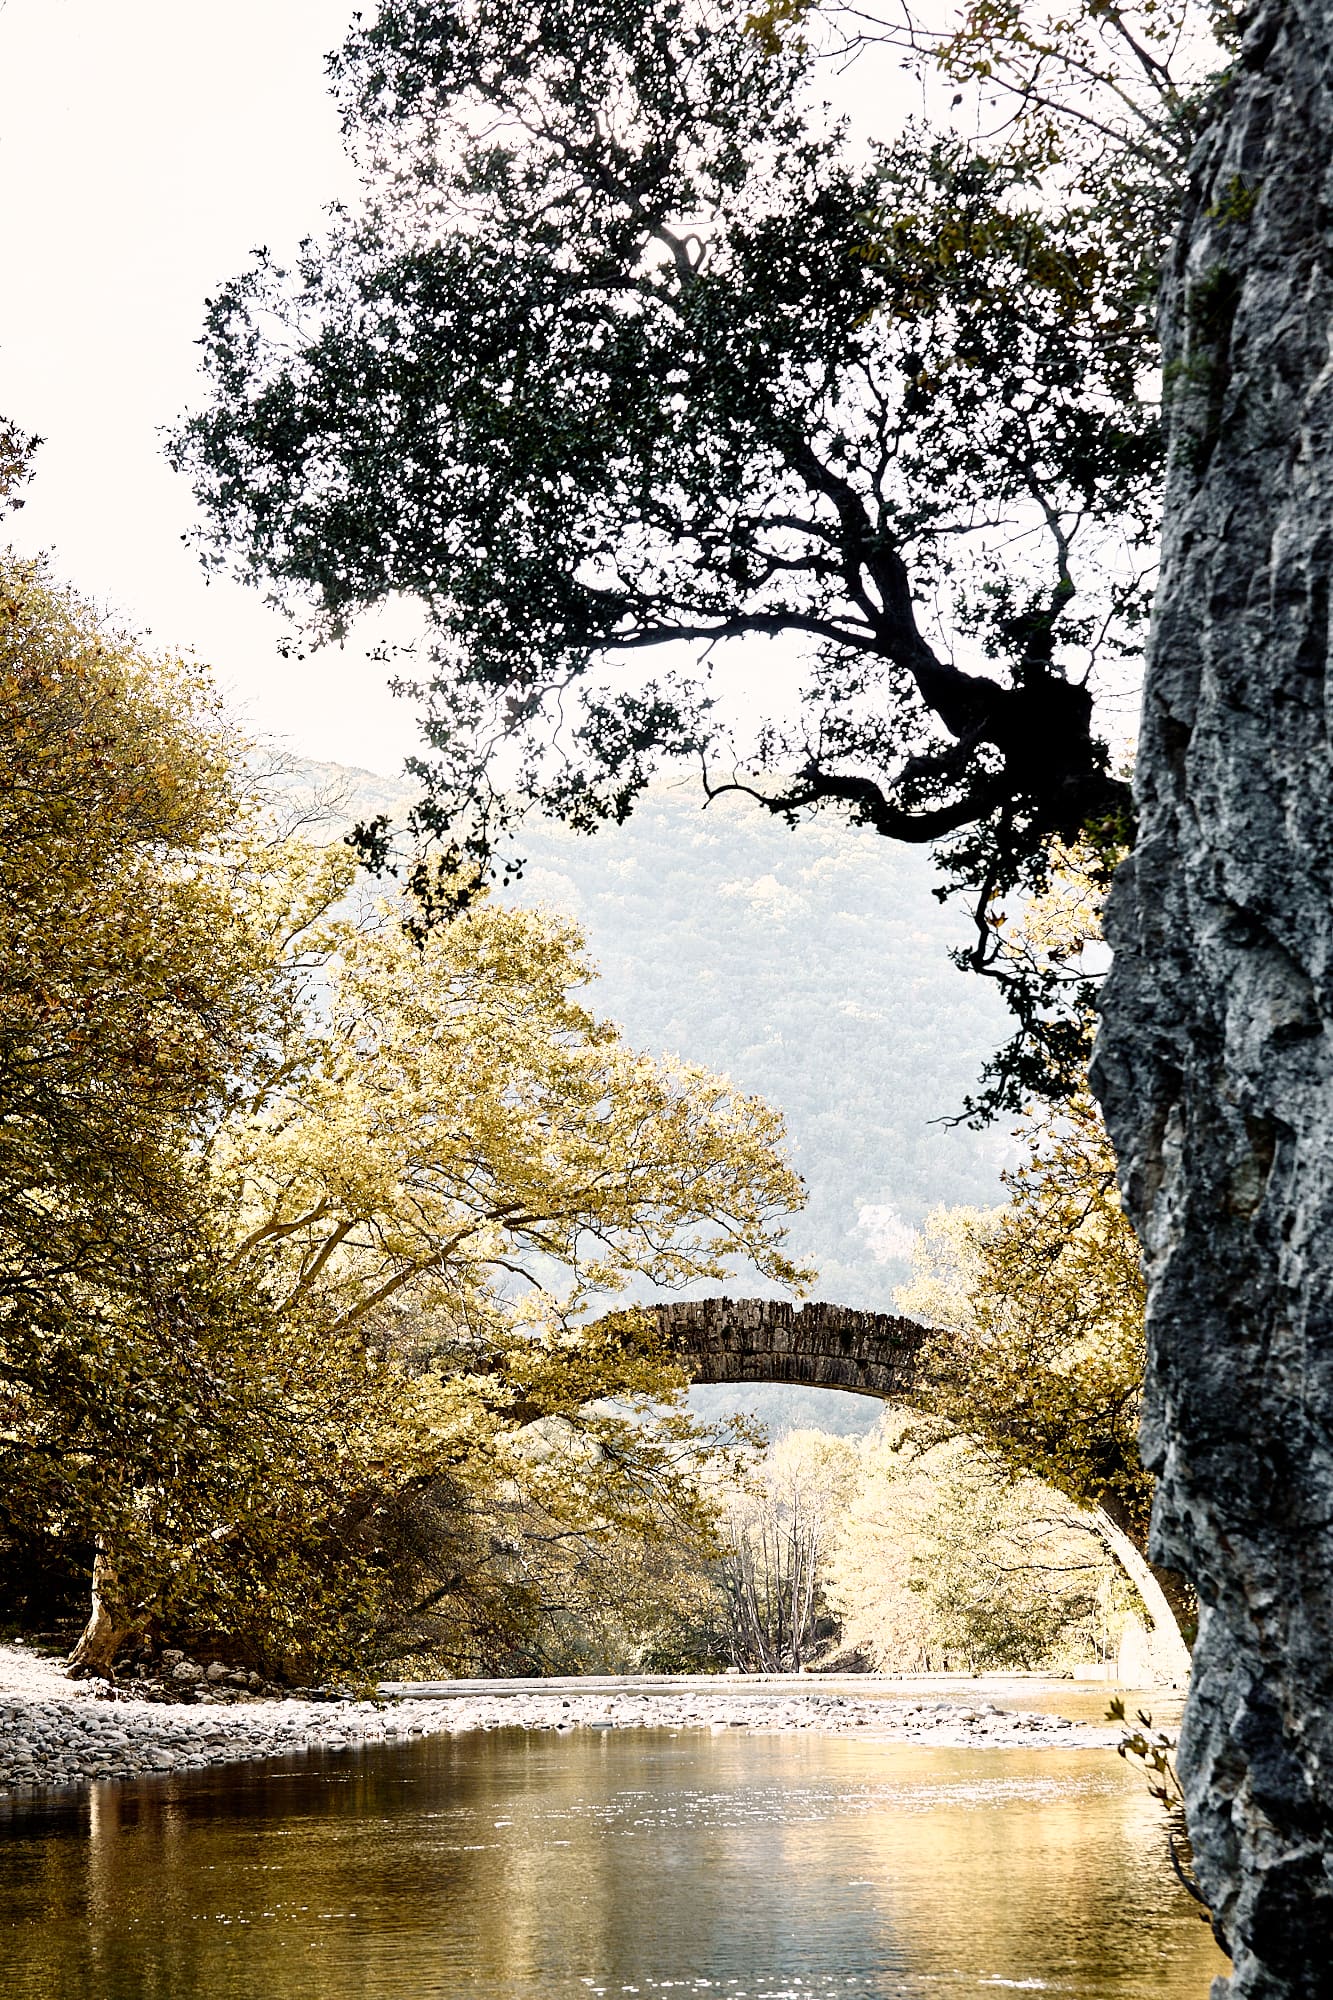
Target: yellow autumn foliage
{"points": [[310, 1229]]}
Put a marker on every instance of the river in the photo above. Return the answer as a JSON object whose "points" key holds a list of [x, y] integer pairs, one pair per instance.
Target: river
{"points": [[514, 1865]]}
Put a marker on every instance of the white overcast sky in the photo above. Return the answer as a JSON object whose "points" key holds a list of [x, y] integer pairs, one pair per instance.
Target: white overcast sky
{"points": [[146, 146]]}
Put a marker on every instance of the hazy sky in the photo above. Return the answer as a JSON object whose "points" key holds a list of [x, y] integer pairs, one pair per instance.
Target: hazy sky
{"points": [[146, 146]]}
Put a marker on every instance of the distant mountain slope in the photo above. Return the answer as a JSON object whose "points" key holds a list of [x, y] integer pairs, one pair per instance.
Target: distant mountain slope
{"points": [[809, 966]]}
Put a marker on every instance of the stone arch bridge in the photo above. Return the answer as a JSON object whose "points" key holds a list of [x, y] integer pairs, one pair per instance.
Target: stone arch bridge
{"points": [[875, 1354], [818, 1346]]}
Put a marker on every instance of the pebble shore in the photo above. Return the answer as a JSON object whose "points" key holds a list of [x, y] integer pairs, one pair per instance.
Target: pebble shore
{"points": [[56, 1732]]}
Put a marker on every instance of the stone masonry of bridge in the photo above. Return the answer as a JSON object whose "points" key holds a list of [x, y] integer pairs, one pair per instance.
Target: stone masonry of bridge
{"points": [[819, 1346]]}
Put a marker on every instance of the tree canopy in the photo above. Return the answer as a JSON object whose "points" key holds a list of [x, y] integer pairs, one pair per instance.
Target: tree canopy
{"points": [[1039, 1358], [125, 996], [304, 1223], [945, 1559], [16, 454], [1041, 1303], [633, 350]]}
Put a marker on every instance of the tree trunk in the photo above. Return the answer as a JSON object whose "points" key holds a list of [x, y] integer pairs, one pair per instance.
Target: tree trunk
{"points": [[1215, 1066], [108, 1625]]}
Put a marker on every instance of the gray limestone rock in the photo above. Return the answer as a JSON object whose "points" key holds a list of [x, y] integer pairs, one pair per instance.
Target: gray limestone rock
{"points": [[1215, 1064]]}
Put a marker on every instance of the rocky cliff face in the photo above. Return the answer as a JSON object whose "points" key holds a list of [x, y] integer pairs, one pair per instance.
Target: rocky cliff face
{"points": [[1216, 1060]]}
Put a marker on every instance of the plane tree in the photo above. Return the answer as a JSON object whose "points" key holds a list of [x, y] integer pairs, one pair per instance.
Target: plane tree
{"points": [[301, 1225]]}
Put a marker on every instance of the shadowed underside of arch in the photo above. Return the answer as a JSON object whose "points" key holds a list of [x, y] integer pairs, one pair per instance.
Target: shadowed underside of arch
{"points": [[819, 1346]]}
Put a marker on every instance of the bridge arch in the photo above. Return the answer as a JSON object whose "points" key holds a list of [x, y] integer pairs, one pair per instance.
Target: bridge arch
{"points": [[817, 1346], [823, 1346]]}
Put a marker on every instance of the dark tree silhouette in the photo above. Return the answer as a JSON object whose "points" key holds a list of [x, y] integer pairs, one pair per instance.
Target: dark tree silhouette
{"points": [[631, 352]]}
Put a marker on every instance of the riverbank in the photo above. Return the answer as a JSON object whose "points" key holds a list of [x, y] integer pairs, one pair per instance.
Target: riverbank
{"points": [[57, 1732]]}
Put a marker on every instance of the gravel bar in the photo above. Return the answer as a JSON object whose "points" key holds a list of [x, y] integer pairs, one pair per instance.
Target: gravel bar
{"points": [[58, 1733]]}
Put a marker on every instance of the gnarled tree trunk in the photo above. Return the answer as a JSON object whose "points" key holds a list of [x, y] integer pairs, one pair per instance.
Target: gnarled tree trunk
{"points": [[108, 1627], [1215, 1066]]}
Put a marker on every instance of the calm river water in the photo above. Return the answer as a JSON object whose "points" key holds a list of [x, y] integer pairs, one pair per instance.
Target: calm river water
{"points": [[509, 1866]]}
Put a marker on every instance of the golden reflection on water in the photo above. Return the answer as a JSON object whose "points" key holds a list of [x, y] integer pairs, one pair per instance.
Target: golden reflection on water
{"points": [[527, 1867]]}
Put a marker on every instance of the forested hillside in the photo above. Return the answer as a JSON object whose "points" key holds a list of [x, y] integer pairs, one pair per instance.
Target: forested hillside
{"points": [[810, 966]]}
